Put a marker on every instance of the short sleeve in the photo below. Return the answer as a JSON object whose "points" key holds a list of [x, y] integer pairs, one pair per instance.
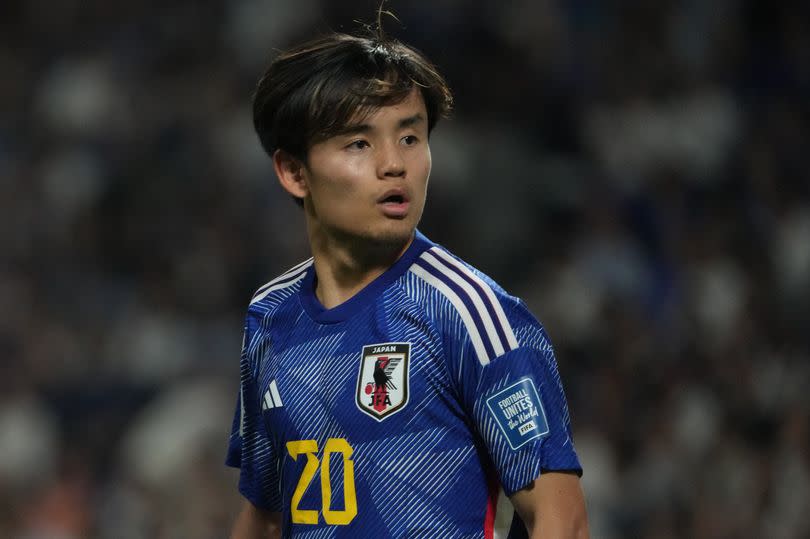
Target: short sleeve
{"points": [[517, 403], [250, 447]]}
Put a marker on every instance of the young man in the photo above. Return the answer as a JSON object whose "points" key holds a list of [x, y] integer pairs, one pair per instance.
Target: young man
{"points": [[388, 389]]}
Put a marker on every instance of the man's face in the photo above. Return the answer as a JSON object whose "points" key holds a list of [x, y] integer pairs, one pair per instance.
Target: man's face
{"points": [[369, 183]]}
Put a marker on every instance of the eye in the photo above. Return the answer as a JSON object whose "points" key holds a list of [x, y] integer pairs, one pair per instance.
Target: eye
{"points": [[357, 144], [410, 140]]}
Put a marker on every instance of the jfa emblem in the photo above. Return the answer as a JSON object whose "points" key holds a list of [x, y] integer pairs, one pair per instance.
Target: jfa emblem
{"points": [[382, 385]]}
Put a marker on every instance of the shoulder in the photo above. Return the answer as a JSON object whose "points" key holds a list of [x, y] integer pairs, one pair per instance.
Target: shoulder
{"points": [[461, 294], [440, 267], [271, 294]]}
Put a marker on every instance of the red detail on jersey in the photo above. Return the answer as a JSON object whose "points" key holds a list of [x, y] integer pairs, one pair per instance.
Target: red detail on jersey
{"points": [[380, 398], [381, 384], [492, 506]]}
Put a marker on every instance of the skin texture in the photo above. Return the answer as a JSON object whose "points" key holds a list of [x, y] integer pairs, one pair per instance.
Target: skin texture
{"points": [[355, 236], [553, 506], [255, 523]]}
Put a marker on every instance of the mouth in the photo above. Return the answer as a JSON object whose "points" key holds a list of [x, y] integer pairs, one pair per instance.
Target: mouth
{"points": [[394, 203]]}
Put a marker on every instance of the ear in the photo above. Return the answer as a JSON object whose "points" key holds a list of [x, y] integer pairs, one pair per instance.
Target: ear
{"points": [[291, 174]]}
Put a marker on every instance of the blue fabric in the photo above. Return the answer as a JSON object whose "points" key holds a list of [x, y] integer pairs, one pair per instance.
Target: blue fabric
{"points": [[389, 391]]}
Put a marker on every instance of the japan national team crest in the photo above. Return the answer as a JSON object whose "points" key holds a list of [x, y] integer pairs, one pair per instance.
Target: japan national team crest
{"points": [[382, 385]]}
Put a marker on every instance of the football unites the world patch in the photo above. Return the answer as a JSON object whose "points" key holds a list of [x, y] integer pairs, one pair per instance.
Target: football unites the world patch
{"points": [[519, 413], [382, 383]]}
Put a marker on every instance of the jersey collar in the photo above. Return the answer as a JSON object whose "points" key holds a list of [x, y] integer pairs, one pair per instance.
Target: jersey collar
{"points": [[364, 297]]}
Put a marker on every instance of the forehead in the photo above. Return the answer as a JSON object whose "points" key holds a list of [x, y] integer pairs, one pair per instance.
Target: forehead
{"points": [[411, 105]]}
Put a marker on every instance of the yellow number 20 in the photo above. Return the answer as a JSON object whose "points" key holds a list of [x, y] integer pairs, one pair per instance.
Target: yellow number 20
{"points": [[310, 449]]}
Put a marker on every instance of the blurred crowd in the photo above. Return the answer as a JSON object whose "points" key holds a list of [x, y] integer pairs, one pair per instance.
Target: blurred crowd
{"points": [[637, 171]]}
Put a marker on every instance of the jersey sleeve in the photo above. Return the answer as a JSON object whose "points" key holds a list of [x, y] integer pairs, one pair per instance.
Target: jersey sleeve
{"points": [[509, 383], [502, 366], [250, 447], [519, 407]]}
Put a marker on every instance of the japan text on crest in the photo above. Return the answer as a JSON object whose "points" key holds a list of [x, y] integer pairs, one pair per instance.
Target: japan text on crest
{"points": [[382, 384]]}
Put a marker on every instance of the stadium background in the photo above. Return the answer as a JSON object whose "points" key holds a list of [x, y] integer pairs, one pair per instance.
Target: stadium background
{"points": [[638, 171]]}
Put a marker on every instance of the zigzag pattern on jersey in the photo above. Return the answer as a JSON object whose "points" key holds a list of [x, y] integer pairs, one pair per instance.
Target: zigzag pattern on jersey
{"points": [[257, 451], [452, 328], [310, 401], [536, 337], [306, 400], [317, 533], [284, 280], [429, 364], [411, 473], [414, 473], [523, 464], [410, 489], [257, 454], [473, 298], [263, 306]]}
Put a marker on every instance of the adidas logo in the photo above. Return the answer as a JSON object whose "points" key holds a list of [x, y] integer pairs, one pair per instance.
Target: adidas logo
{"points": [[271, 397]]}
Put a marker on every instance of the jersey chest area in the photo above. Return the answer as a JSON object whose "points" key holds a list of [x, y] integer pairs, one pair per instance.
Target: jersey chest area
{"points": [[364, 419], [361, 379]]}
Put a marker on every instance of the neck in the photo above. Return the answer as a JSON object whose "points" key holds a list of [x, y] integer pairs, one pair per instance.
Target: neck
{"points": [[345, 265]]}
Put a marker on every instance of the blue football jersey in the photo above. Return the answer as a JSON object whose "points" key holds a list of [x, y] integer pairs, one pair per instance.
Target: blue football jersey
{"points": [[410, 410]]}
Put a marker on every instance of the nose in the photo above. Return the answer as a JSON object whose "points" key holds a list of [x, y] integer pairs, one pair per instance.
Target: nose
{"points": [[390, 162]]}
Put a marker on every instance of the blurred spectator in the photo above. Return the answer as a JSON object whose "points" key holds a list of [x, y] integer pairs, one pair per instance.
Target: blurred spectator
{"points": [[637, 170]]}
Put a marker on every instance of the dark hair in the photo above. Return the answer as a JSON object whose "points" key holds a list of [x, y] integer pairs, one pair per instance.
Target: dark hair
{"points": [[314, 90]]}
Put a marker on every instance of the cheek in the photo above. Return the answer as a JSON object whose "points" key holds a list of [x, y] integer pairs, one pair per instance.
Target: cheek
{"points": [[346, 185], [336, 183], [428, 165], [423, 166]]}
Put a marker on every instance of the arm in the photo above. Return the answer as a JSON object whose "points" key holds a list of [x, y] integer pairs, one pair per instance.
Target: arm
{"points": [[250, 449], [553, 506], [256, 523]]}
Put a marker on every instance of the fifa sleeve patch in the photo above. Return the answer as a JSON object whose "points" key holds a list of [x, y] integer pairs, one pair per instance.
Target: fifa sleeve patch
{"points": [[519, 413]]}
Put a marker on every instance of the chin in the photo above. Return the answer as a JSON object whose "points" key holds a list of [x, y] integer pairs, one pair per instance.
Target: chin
{"points": [[394, 235], [375, 234]]}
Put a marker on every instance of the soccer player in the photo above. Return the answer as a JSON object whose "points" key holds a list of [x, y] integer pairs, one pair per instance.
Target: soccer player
{"points": [[388, 389]]}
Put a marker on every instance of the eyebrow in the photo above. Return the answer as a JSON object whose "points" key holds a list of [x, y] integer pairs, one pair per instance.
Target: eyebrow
{"points": [[410, 121]]}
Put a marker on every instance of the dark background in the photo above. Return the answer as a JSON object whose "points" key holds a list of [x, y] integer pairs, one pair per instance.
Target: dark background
{"points": [[637, 171]]}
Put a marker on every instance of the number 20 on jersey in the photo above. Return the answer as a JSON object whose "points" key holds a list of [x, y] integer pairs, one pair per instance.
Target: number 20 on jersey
{"points": [[309, 448]]}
